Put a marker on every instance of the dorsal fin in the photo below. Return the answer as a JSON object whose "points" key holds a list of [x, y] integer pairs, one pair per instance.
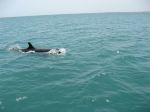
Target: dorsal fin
{"points": [[30, 46]]}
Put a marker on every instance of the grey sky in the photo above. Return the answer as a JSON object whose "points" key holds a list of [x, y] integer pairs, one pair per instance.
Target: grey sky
{"points": [[9, 8]]}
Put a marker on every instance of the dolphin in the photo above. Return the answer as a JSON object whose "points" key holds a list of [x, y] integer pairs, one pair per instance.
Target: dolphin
{"points": [[32, 48]]}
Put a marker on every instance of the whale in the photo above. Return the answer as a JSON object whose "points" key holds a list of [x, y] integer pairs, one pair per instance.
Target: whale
{"points": [[31, 48]]}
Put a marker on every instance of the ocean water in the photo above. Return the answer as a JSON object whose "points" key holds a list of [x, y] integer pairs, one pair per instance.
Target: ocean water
{"points": [[106, 67]]}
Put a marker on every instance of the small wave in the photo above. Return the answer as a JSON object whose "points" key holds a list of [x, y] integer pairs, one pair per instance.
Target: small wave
{"points": [[1, 102]]}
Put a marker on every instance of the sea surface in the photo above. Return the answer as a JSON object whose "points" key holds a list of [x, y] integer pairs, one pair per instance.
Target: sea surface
{"points": [[106, 66]]}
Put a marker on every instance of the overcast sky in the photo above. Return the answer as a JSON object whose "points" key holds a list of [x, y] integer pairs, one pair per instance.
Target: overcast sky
{"points": [[11, 8]]}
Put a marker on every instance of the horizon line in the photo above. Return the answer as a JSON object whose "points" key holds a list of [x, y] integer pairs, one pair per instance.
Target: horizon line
{"points": [[74, 14]]}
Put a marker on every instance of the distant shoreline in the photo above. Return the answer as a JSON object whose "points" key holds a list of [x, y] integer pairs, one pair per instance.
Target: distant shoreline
{"points": [[73, 14]]}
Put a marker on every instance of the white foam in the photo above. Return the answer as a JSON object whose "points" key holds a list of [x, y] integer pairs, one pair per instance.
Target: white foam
{"points": [[103, 73], [21, 98], [30, 52], [60, 51], [93, 100], [15, 47], [118, 52], [107, 100], [52, 51]]}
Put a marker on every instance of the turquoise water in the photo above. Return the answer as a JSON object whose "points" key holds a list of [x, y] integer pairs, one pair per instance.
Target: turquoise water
{"points": [[106, 67]]}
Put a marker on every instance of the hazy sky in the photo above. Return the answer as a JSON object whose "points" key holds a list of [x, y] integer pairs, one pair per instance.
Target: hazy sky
{"points": [[41, 7]]}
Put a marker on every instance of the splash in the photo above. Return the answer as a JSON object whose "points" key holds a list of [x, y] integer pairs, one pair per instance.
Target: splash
{"points": [[15, 47], [61, 51]]}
